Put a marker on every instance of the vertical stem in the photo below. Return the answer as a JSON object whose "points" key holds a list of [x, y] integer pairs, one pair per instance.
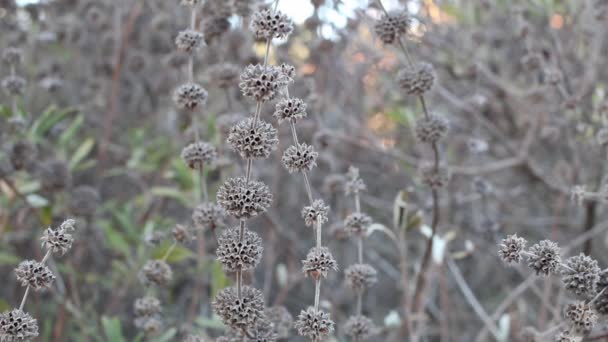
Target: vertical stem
{"points": [[360, 248], [203, 181], [308, 188], [27, 291], [317, 293]]}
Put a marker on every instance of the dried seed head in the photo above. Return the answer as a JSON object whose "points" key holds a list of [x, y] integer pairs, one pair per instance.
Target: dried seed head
{"points": [[354, 184], [226, 121], [580, 316], [581, 275], [34, 274], [12, 56], [54, 175], [281, 320], [209, 215], [84, 201], [253, 142], [511, 248], [150, 325], [552, 76], [224, 75], [262, 83], [181, 234], [360, 277], [215, 26], [357, 223], [244, 199], [300, 158], [59, 240], [190, 96], [199, 154], [418, 79], [544, 258], [194, 338], [314, 324], [290, 109], [288, 70], [14, 85], [318, 262], [239, 313], [268, 24], [154, 238], [392, 26], [239, 254], [263, 332], [435, 178], [317, 212], [156, 272], [22, 154], [189, 41], [147, 306], [566, 336], [16, 325], [432, 129], [360, 328]]}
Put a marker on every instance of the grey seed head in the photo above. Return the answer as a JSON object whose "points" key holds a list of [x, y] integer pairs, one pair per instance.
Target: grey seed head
{"points": [[290, 109], [239, 313], [244, 199], [316, 212], [209, 215], [12, 56], [253, 139], [189, 41], [360, 277], [300, 158], [360, 328], [16, 325], [581, 317], [357, 223], [435, 178], [581, 275], [181, 234], [190, 97], [239, 254], [155, 272], [84, 200], [418, 79], [269, 24], [511, 248], [34, 274], [224, 75], [14, 85], [147, 307], [544, 258], [58, 240], [392, 26], [281, 320], [431, 130], [354, 184], [199, 154], [314, 324], [263, 83], [319, 261]]}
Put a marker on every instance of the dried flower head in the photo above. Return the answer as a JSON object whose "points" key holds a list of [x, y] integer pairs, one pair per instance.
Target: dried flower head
{"points": [[54, 175], [581, 275], [244, 199], [318, 262], [435, 178], [359, 328], [357, 223], [511, 248], [209, 215], [360, 277], [290, 109], [156, 272], [253, 139], [262, 83], [189, 41], [12, 56], [16, 325], [268, 24], [147, 306], [552, 76], [194, 338], [565, 336], [281, 320], [418, 79], [392, 26], [288, 70], [14, 85], [149, 324], [84, 200], [224, 75], [314, 324], [154, 238], [544, 257], [263, 332], [190, 96], [34, 274], [317, 212], [181, 233], [215, 26], [431, 129], [22, 154], [581, 316], [59, 240], [239, 313], [300, 158], [199, 154], [239, 254]]}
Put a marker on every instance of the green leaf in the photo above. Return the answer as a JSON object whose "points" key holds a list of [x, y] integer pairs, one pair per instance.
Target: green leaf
{"points": [[168, 336], [8, 259], [175, 193], [209, 323], [68, 135], [112, 329], [49, 118], [83, 150], [117, 241], [219, 279], [178, 254]]}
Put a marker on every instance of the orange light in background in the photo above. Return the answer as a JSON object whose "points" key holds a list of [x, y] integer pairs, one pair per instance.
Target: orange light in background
{"points": [[359, 57], [436, 14], [557, 21], [379, 123], [308, 69]]}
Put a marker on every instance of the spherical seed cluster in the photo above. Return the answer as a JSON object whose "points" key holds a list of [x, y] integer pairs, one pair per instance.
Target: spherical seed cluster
{"points": [[22, 154], [300, 158], [244, 199], [360, 277], [190, 96], [263, 332], [565, 336], [253, 141], [392, 26], [54, 175], [511, 248], [156, 272], [432, 129], [214, 27], [317, 212], [34, 274], [194, 338], [14, 85], [357, 223], [181, 234], [601, 303], [226, 121], [12, 56], [581, 275], [84, 201], [199, 154], [224, 75], [354, 183], [288, 70], [239, 254], [417, 80], [290, 109], [268, 24], [262, 83], [544, 258], [281, 320], [150, 325], [209, 215], [147, 306], [314, 324], [359, 327], [581, 316], [189, 41], [58, 240], [318, 262], [239, 313], [435, 178], [16, 325]]}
